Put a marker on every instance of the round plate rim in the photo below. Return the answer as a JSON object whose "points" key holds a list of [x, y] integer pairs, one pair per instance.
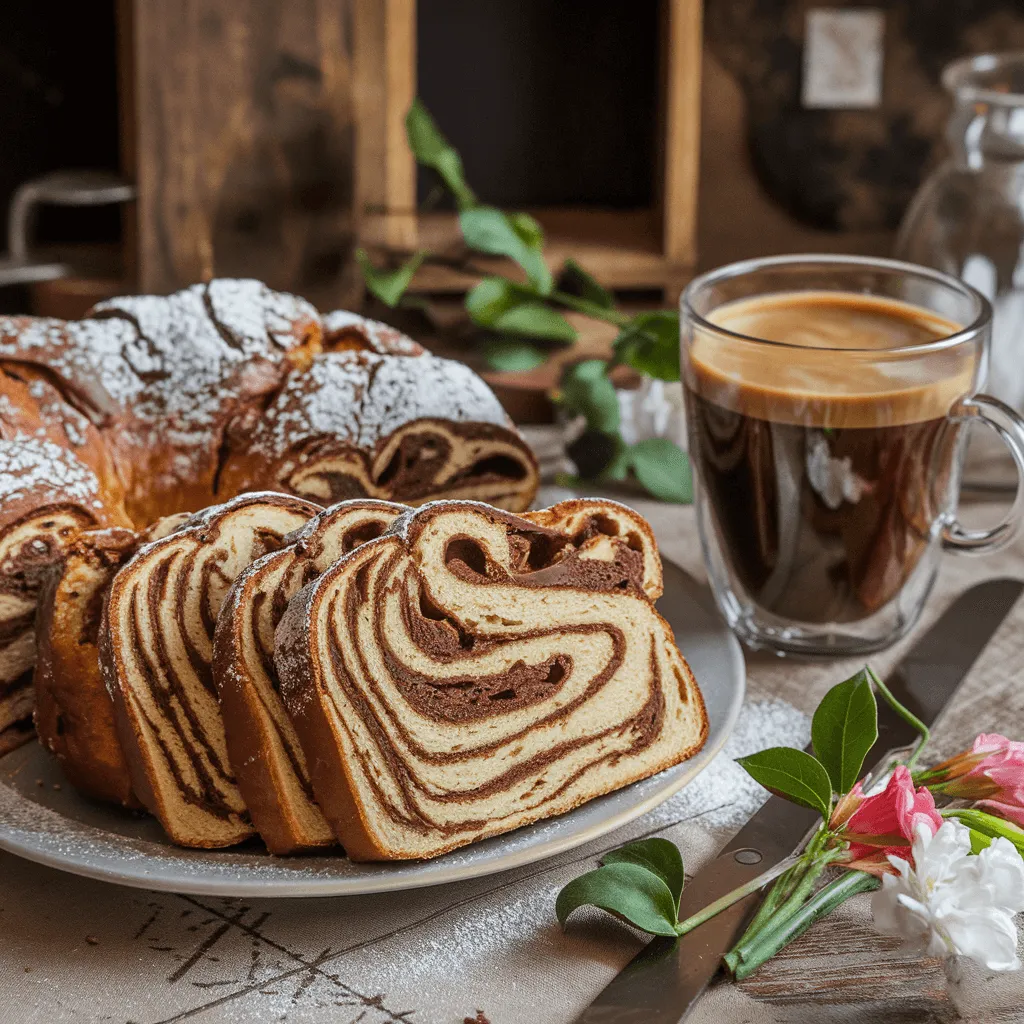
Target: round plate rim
{"points": [[360, 885]]}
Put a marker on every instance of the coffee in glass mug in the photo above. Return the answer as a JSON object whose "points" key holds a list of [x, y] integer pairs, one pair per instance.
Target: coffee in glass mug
{"points": [[826, 399]]}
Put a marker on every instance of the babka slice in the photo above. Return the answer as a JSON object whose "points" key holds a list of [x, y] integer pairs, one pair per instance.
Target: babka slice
{"points": [[74, 715], [472, 671], [155, 652], [262, 745], [46, 497]]}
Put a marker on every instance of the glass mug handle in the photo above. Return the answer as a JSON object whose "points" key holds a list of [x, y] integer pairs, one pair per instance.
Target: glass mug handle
{"points": [[1010, 427]]}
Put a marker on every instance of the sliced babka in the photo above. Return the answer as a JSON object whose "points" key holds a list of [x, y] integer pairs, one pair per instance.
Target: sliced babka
{"points": [[46, 497], [471, 671], [155, 651], [74, 715], [262, 745]]}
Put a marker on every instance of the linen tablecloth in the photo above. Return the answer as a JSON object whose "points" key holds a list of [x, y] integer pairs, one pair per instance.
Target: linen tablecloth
{"points": [[490, 949]]}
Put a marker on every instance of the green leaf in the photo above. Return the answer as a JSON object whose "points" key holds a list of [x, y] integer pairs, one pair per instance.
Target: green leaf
{"points": [[489, 299], [527, 229], [503, 306], [586, 391], [988, 825], [488, 230], [535, 320], [627, 890], [844, 729], [657, 855], [792, 774], [577, 281], [650, 344], [508, 355], [663, 469], [389, 285], [432, 149]]}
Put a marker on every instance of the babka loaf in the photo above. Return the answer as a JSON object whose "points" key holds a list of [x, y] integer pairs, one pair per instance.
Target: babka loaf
{"points": [[471, 671], [156, 645], [74, 715], [264, 750], [46, 496], [177, 402], [164, 378]]}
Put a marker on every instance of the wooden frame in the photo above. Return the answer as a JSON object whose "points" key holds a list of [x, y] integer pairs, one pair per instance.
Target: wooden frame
{"points": [[635, 249], [238, 125]]}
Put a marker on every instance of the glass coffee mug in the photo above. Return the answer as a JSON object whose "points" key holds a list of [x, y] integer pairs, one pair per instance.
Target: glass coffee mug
{"points": [[826, 399]]}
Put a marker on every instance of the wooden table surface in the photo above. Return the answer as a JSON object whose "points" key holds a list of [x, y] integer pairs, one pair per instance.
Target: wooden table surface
{"points": [[75, 950], [842, 969]]}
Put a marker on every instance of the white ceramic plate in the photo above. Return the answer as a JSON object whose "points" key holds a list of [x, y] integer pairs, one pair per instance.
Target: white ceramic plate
{"points": [[44, 820]]}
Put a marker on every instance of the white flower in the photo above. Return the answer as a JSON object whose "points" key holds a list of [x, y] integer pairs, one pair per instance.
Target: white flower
{"points": [[949, 902]]}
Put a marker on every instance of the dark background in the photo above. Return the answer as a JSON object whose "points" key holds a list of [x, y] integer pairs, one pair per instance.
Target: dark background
{"points": [[549, 103]]}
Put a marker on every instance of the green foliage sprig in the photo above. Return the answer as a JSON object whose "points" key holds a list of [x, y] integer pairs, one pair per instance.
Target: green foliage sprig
{"points": [[642, 882], [522, 315]]}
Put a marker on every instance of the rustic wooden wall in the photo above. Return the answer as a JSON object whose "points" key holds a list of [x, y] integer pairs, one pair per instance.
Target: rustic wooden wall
{"points": [[243, 143]]}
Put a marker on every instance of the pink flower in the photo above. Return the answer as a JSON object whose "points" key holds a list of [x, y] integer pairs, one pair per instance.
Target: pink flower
{"points": [[882, 825], [991, 772]]}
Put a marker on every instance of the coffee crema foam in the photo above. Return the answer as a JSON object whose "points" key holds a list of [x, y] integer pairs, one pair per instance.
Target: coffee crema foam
{"points": [[827, 359]]}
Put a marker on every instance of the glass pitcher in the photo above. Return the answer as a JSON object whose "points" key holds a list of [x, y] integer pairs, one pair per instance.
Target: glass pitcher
{"points": [[967, 219]]}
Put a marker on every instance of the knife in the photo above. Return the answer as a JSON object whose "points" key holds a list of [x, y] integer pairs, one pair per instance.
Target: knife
{"points": [[662, 982]]}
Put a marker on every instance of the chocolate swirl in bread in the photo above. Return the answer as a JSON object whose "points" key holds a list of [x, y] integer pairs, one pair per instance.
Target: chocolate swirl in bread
{"points": [[269, 764], [74, 715], [406, 428], [48, 495], [155, 653], [472, 671]]}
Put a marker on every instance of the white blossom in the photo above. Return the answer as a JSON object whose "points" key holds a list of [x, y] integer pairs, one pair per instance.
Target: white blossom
{"points": [[950, 902]]}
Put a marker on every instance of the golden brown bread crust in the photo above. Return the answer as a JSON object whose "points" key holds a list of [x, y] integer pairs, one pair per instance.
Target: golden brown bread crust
{"points": [[397, 428], [164, 379], [418, 740], [33, 408], [182, 401], [74, 715]]}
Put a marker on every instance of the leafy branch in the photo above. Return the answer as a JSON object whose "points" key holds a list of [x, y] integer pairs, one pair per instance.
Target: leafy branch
{"points": [[642, 882], [519, 315]]}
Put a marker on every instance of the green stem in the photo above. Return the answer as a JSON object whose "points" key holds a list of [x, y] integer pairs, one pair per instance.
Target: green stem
{"points": [[781, 932], [790, 907], [726, 901], [611, 316], [777, 895], [784, 887], [906, 714]]}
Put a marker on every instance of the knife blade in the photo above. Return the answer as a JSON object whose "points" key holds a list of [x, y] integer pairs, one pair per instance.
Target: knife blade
{"points": [[663, 981]]}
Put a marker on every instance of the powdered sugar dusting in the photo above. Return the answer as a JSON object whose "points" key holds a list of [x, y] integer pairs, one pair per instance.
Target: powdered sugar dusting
{"points": [[363, 397], [724, 795], [45, 473], [169, 370], [720, 799]]}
